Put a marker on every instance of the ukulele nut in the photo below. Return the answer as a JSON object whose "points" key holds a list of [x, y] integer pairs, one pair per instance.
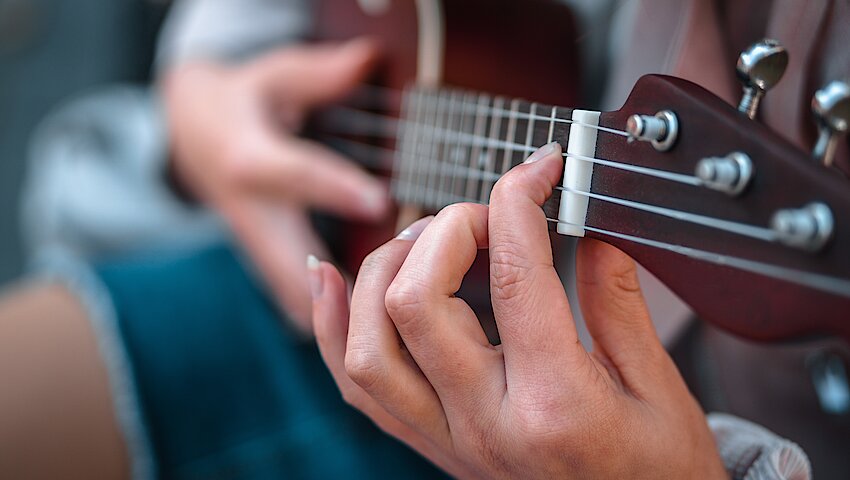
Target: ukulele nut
{"points": [[730, 174], [661, 130], [808, 228]]}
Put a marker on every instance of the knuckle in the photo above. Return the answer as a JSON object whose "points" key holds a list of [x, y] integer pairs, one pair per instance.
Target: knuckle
{"points": [[507, 184], [625, 279], [365, 366], [404, 302]]}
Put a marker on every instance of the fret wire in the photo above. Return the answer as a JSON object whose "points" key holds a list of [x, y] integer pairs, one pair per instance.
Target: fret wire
{"points": [[434, 178], [552, 124], [459, 153], [392, 125], [441, 147], [479, 141], [492, 150], [400, 167], [495, 111], [475, 149], [422, 145], [446, 159], [507, 160], [529, 134], [445, 117], [442, 119], [415, 146], [429, 158]]}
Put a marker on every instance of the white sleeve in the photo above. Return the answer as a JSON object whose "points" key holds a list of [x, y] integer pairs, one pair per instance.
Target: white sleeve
{"points": [[752, 452], [229, 29]]}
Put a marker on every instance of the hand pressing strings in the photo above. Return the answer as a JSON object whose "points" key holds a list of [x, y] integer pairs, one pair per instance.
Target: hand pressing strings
{"points": [[537, 406]]}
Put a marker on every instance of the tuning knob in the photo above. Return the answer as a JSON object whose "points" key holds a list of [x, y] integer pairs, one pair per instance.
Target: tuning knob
{"points": [[808, 228], [760, 67], [831, 106], [661, 130], [730, 174]]}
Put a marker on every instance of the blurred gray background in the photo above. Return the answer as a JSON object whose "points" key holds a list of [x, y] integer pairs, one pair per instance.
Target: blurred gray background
{"points": [[50, 50]]}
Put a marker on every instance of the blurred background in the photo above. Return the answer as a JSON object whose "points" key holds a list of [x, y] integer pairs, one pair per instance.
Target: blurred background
{"points": [[51, 50]]}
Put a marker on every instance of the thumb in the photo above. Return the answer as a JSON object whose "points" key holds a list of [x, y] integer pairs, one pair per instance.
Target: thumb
{"points": [[308, 75], [614, 308]]}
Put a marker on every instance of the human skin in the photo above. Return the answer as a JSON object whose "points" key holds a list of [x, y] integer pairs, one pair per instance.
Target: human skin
{"points": [[412, 356], [234, 132], [56, 415]]}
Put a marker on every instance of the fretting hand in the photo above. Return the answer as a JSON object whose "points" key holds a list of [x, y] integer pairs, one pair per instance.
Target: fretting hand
{"points": [[413, 357], [233, 132]]}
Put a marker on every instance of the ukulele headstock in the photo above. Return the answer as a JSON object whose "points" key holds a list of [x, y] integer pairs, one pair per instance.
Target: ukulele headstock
{"points": [[749, 230]]}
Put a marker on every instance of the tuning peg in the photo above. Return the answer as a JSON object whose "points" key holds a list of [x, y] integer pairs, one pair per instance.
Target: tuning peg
{"points": [[808, 228], [831, 106], [760, 67]]}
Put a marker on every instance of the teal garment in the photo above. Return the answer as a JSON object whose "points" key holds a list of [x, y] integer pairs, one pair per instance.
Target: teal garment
{"points": [[226, 390]]}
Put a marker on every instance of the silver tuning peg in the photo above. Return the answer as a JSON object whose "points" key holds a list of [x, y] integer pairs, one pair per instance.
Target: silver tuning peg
{"points": [[760, 67], [831, 106]]}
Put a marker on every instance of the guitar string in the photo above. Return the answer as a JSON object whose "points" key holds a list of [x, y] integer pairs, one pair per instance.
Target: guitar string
{"points": [[826, 283], [467, 139], [468, 107], [349, 116], [743, 229], [834, 285]]}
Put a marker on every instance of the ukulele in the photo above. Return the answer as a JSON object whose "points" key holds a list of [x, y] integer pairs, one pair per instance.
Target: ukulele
{"points": [[748, 230]]}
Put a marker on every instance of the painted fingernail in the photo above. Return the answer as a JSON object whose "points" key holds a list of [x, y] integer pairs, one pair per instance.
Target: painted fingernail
{"points": [[314, 276], [412, 232], [542, 152]]}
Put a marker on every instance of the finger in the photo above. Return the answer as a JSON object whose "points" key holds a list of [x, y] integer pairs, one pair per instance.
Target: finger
{"points": [[441, 332], [316, 176], [614, 309], [375, 359], [330, 322], [262, 228], [532, 312], [309, 75]]}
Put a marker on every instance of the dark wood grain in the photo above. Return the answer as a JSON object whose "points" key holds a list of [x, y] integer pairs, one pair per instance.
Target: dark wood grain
{"points": [[749, 304]]}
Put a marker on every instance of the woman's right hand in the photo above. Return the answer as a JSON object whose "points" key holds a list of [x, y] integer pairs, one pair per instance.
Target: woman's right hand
{"points": [[234, 131]]}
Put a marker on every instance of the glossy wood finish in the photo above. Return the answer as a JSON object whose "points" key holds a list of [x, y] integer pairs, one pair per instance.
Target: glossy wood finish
{"points": [[749, 304]]}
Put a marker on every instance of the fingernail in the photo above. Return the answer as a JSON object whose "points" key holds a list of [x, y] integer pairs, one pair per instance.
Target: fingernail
{"points": [[542, 152], [314, 276], [412, 232]]}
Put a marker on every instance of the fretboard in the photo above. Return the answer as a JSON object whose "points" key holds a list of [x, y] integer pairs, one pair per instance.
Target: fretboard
{"points": [[453, 145]]}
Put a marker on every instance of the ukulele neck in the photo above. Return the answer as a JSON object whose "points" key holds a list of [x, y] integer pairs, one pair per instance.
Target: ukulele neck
{"points": [[454, 145]]}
